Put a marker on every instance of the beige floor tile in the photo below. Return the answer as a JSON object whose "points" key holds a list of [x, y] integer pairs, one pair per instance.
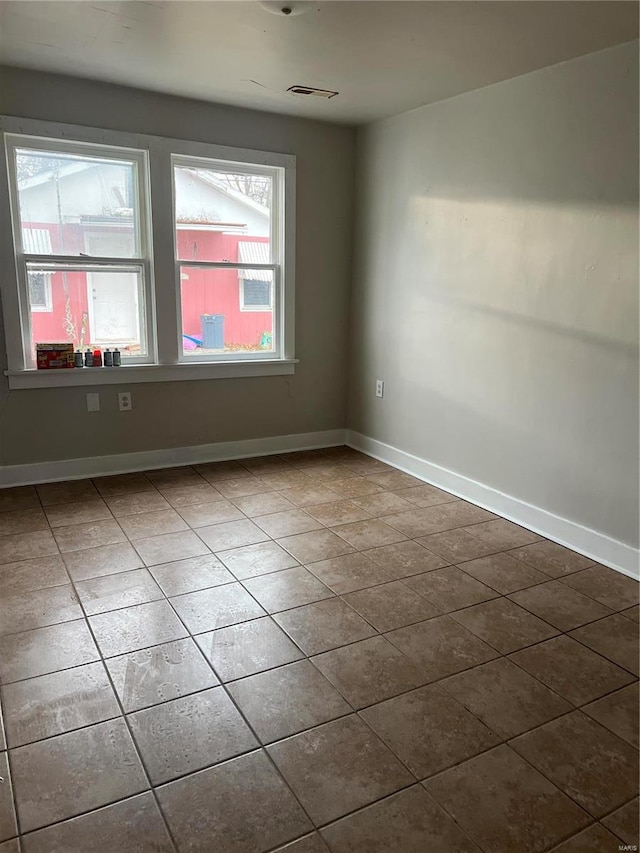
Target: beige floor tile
{"points": [[27, 546], [369, 671], [122, 484], [287, 523], [435, 519], [613, 589], [504, 625], [66, 492], [18, 497], [111, 592], [75, 772], [44, 650], [593, 766], [255, 811], [502, 534], [624, 822], [324, 625], [246, 485], [22, 521], [77, 537], [506, 805], [571, 669], [618, 712], [450, 589], [310, 495], [404, 559], [253, 560], [390, 479], [59, 702], [383, 503], [615, 637], [8, 826], [594, 839], [232, 534], [348, 573], [552, 559], [411, 819], [264, 504], [101, 561], [286, 589], [168, 671], [457, 546], [201, 515], [441, 647], [632, 613], [62, 515], [136, 503], [390, 605], [181, 496], [165, 478], [337, 512], [560, 605], [170, 547], [265, 464], [354, 487], [426, 495], [248, 648], [30, 575], [373, 533], [22, 611], [190, 575], [283, 701], [190, 733], [218, 607], [315, 545], [146, 524], [212, 471], [309, 844], [132, 628], [338, 767], [506, 698], [286, 479], [428, 730], [134, 825], [503, 573]]}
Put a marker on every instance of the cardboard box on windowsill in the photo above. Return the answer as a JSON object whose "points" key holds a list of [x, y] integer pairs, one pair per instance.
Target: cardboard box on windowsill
{"points": [[54, 356]]}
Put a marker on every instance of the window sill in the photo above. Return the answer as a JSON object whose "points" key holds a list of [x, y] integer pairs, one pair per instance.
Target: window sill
{"points": [[21, 379]]}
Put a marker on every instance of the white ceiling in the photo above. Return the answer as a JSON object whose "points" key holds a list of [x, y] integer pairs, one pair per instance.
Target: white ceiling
{"points": [[383, 57]]}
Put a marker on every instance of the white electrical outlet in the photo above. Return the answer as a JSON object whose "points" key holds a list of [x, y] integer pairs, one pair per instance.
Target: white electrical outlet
{"points": [[93, 402], [379, 388], [124, 401]]}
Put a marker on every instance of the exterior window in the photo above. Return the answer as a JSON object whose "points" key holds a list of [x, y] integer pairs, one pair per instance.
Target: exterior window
{"points": [[229, 244], [80, 233], [40, 291], [180, 254]]}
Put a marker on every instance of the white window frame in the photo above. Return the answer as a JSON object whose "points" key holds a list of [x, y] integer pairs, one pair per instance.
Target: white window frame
{"points": [[276, 241], [165, 362], [141, 263]]}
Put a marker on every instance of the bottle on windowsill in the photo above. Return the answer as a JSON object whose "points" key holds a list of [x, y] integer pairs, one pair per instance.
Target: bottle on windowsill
{"points": [[117, 361]]}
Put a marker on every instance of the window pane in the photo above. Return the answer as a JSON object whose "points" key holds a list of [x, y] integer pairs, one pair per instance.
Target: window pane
{"points": [[218, 211], [216, 318], [92, 308], [77, 205]]}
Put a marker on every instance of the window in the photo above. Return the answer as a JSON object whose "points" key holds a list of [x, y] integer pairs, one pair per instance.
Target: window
{"points": [[229, 258], [92, 212]]}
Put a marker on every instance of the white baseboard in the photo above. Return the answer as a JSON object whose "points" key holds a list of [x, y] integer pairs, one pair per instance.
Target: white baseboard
{"points": [[122, 463], [597, 546]]}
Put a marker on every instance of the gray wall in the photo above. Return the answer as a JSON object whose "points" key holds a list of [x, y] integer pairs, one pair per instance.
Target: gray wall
{"points": [[496, 287], [177, 414]]}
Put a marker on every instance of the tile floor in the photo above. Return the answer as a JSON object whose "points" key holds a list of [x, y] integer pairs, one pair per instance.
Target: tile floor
{"points": [[305, 653]]}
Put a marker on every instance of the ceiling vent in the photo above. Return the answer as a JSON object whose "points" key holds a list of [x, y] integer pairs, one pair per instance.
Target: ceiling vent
{"points": [[309, 90]]}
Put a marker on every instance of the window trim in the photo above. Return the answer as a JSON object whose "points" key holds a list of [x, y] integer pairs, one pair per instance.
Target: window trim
{"points": [[162, 268]]}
